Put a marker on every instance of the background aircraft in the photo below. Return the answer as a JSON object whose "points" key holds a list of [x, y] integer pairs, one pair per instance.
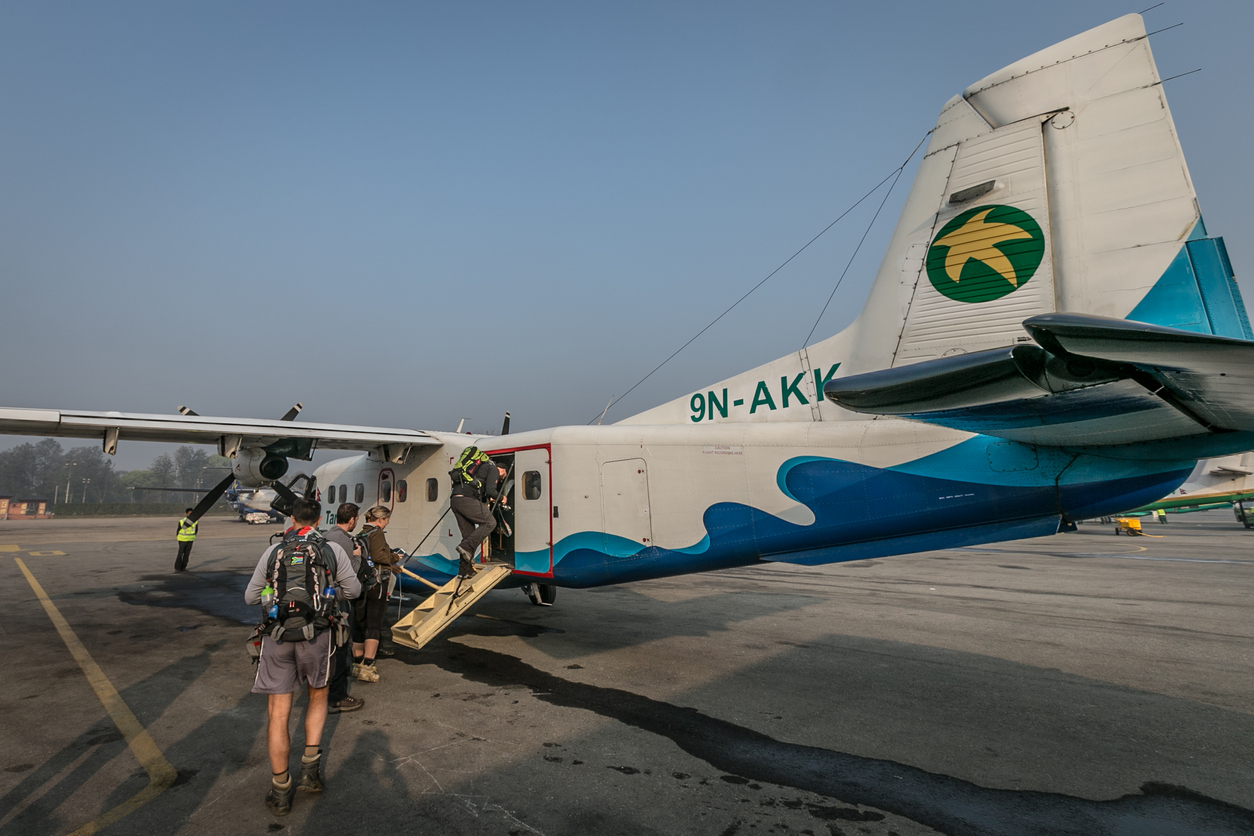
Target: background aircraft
{"points": [[1052, 335], [1214, 483], [253, 505]]}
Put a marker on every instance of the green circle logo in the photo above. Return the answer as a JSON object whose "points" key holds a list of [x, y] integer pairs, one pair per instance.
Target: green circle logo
{"points": [[985, 253]]}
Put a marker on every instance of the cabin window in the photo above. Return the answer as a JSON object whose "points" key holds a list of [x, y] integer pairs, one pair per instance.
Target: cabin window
{"points": [[331, 495], [531, 484], [385, 491], [359, 493], [402, 490], [343, 493], [433, 490]]}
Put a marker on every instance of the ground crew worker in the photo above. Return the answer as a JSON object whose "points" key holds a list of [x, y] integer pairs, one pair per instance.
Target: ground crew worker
{"points": [[1161, 513], [474, 481], [186, 536]]}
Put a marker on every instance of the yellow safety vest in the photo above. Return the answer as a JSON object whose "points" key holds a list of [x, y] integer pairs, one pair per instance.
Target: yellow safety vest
{"points": [[187, 531]]}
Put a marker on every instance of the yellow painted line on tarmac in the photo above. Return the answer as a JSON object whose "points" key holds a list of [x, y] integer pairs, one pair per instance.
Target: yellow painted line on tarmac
{"points": [[160, 773], [10, 549]]}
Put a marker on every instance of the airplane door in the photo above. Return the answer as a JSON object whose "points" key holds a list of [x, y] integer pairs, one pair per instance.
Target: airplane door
{"points": [[533, 511], [386, 493], [625, 504]]}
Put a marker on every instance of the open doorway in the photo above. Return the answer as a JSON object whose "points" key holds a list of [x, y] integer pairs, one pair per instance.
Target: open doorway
{"points": [[501, 542]]}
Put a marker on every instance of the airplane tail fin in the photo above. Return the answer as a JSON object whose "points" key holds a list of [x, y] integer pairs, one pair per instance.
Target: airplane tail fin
{"points": [[1055, 185], [1058, 184]]}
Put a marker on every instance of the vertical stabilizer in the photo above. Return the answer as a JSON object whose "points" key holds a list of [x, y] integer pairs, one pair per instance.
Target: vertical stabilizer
{"points": [[1055, 184]]}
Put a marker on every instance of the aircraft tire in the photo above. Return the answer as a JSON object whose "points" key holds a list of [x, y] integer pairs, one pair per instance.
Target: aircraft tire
{"points": [[541, 594]]}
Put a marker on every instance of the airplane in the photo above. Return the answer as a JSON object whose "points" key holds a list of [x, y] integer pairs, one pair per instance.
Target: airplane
{"points": [[1214, 483], [1053, 335], [253, 505]]}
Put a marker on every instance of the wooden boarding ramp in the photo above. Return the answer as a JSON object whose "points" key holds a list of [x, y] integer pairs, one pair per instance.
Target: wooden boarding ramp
{"points": [[430, 617]]}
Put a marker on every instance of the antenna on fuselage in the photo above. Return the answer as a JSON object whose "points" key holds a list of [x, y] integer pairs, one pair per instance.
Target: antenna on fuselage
{"points": [[601, 417], [505, 425]]}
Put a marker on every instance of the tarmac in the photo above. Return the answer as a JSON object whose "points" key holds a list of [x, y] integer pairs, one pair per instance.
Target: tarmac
{"points": [[1082, 683]]}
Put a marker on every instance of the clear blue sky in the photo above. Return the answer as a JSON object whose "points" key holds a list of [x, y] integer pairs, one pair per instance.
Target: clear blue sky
{"points": [[403, 214]]}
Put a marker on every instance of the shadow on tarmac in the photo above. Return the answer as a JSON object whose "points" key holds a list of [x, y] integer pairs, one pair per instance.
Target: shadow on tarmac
{"points": [[944, 803], [100, 744]]}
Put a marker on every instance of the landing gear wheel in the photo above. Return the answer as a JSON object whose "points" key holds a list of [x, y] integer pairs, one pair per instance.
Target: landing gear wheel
{"points": [[541, 594]]}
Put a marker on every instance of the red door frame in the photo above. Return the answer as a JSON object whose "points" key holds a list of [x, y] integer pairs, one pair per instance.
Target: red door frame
{"points": [[547, 448]]}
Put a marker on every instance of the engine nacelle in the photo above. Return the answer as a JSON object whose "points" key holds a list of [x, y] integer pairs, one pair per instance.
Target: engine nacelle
{"points": [[255, 468]]}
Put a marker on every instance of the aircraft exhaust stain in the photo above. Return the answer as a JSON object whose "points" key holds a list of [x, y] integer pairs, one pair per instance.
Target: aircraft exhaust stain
{"points": [[942, 802]]}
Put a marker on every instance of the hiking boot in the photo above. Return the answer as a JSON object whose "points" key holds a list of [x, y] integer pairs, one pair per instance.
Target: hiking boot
{"points": [[310, 779], [279, 800], [385, 651], [465, 563], [346, 704], [367, 673], [355, 669]]}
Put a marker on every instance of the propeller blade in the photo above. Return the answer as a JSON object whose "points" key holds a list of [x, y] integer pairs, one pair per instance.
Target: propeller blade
{"points": [[283, 502], [211, 498], [291, 414], [505, 426], [185, 410]]}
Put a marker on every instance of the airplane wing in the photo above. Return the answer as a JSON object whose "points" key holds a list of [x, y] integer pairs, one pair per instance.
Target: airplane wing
{"points": [[282, 438], [1087, 381]]}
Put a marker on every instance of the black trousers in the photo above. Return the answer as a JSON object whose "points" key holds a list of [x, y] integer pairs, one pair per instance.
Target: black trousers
{"points": [[474, 520], [341, 664], [369, 614], [185, 551]]}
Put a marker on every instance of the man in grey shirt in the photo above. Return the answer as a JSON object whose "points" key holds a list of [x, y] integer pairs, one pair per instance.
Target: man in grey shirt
{"points": [[342, 656], [284, 665]]}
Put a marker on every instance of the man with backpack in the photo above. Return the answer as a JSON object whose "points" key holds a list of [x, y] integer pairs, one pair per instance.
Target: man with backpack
{"points": [[341, 534], [298, 581], [474, 478]]}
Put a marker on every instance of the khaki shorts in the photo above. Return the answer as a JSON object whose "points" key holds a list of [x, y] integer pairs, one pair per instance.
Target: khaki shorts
{"points": [[284, 665]]}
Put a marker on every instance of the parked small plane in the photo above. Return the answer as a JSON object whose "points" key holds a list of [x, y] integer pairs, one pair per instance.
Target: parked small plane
{"points": [[1214, 483], [253, 505], [1052, 335]]}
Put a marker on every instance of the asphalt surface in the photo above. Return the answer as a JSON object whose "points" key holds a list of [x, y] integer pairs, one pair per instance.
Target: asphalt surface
{"points": [[1083, 683]]}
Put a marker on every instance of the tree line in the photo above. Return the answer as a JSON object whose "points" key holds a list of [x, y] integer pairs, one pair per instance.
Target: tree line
{"points": [[45, 470]]}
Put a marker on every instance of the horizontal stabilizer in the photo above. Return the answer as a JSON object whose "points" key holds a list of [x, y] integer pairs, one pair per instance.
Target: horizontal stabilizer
{"points": [[1088, 380]]}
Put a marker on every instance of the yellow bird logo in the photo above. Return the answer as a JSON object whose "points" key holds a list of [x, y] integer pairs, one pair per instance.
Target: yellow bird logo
{"points": [[969, 261], [978, 239]]}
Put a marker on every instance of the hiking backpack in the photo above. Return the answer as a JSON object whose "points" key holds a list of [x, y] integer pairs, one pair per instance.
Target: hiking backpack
{"points": [[302, 575], [367, 571], [467, 468]]}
